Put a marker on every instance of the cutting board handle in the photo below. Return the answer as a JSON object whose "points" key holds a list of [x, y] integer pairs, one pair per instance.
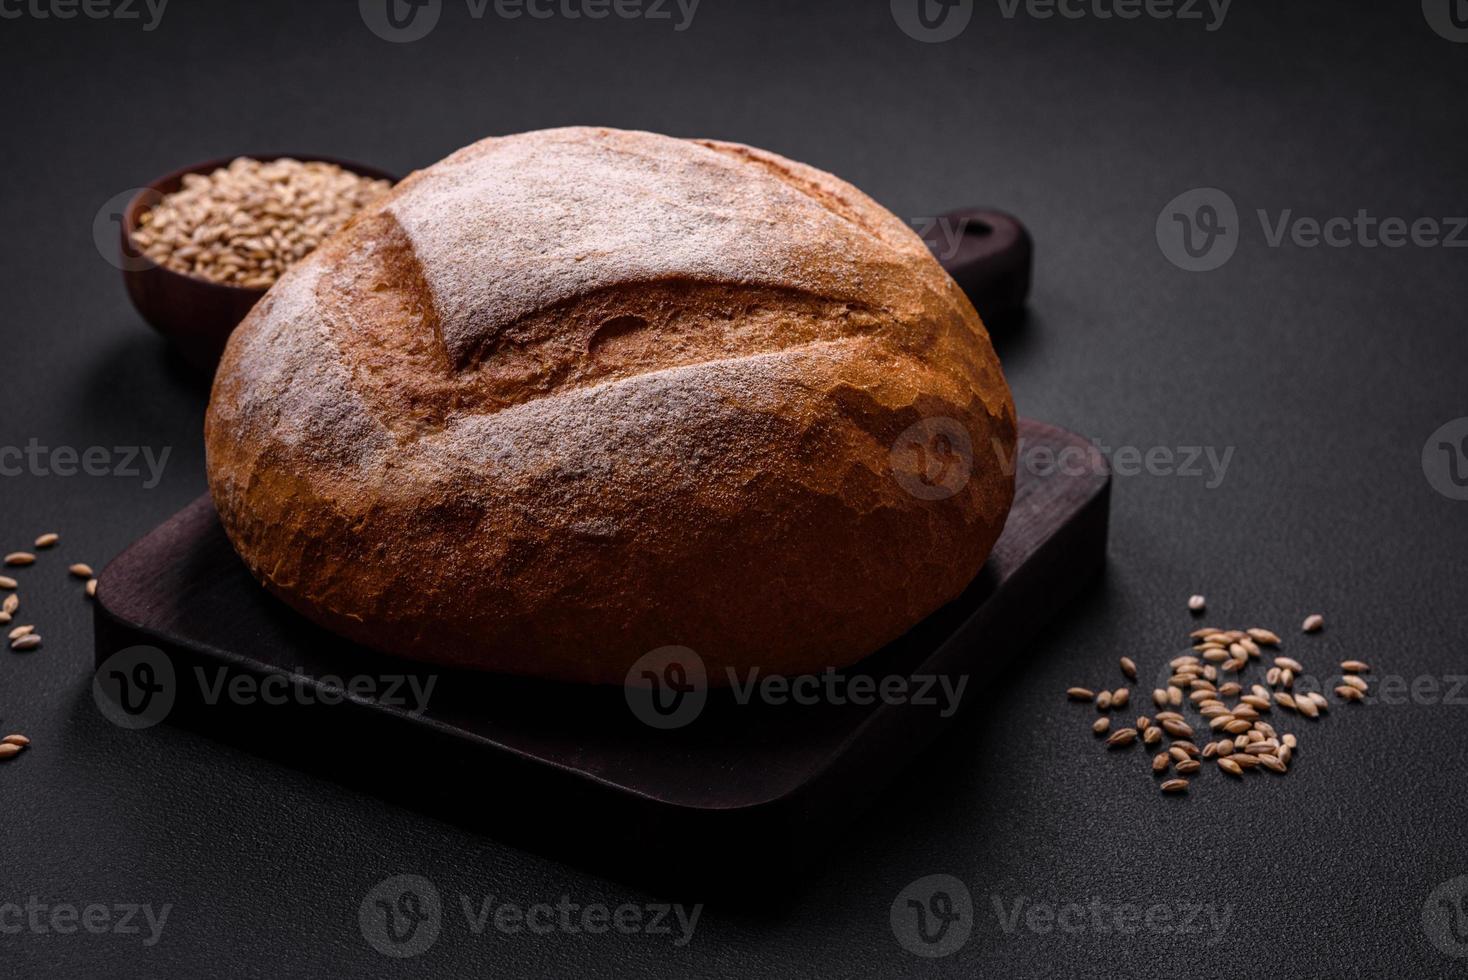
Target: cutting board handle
{"points": [[990, 255]]}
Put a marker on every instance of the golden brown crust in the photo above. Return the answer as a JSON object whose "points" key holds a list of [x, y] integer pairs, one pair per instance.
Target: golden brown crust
{"points": [[570, 396]]}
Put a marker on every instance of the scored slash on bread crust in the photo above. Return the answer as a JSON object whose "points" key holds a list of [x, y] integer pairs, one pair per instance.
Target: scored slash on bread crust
{"points": [[571, 396]]}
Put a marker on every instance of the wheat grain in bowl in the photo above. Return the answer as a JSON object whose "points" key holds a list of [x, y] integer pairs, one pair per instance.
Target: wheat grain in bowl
{"points": [[246, 223]]}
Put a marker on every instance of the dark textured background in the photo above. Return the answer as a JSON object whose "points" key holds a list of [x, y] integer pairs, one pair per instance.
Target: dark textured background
{"points": [[1325, 370]]}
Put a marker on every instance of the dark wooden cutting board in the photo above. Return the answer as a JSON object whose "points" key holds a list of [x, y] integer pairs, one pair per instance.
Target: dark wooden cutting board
{"points": [[744, 793], [745, 789]]}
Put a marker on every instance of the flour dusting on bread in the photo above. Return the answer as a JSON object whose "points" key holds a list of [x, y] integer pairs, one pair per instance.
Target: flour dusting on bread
{"points": [[570, 396]]}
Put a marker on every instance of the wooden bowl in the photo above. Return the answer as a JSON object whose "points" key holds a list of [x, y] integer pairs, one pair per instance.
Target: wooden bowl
{"points": [[195, 314]]}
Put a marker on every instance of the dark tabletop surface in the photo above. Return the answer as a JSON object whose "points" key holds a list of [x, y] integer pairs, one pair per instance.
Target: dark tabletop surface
{"points": [[1318, 373]]}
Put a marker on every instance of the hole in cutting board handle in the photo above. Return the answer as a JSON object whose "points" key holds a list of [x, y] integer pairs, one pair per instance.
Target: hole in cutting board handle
{"points": [[990, 255]]}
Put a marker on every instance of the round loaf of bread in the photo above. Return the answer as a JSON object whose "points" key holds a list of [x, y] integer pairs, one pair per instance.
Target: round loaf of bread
{"points": [[568, 397]]}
